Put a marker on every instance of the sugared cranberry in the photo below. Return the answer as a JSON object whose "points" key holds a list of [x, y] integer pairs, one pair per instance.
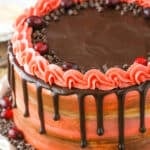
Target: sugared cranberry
{"points": [[41, 47], [15, 133], [66, 3], [68, 65], [146, 13], [5, 102], [111, 2], [6, 114], [141, 60], [36, 22]]}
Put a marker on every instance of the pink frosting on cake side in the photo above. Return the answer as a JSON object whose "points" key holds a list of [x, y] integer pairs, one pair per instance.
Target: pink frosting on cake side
{"points": [[36, 65]]}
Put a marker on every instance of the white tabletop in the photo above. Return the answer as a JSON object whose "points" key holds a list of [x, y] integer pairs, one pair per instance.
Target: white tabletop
{"points": [[9, 10], [5, 144]]}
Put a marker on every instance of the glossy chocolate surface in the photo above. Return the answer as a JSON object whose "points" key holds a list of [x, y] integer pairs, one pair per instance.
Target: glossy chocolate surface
{"points": [[92, 39]]}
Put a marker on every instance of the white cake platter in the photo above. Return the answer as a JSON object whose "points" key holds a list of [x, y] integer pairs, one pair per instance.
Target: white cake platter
{"points": [[5, 144], [9, 10]]}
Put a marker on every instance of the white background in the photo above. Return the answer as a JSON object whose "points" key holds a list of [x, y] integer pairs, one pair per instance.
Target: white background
{"points": [[9, 10]]}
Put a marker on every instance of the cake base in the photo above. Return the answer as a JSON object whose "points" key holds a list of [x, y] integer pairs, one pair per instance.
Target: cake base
{"points": [[64, 133], [44, 142]]}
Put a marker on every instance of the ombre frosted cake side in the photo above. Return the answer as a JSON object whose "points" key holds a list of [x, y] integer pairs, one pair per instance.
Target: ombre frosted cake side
{"points": [[63, 103]]}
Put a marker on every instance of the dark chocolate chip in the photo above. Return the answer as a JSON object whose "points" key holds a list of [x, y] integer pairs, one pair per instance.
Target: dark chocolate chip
{"points": [[47, 18], [135, 13], [100, 9], [69, 65], [125, 66], [97, 4], [91, 3], [118, 7], [62, 10], [57, 12], [70, 12], [84, 5], [55, 18], [78, 6], [75, 12], [139, 10], [122, 12], [49, 58], [146, 13], [105, 68]]}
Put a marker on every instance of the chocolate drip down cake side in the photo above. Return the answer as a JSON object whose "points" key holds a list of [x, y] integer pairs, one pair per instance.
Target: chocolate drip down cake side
{"points": [[80, 74]]}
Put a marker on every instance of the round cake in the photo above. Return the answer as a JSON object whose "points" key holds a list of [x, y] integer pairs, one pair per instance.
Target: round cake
{"points": [[80, 74]]}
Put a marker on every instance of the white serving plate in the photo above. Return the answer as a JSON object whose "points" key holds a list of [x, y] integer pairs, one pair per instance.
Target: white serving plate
{"points": [[9, 10], [5, 144]]}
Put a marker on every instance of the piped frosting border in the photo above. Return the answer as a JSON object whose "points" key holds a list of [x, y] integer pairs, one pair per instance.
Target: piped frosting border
{"points": [[36, 65]]}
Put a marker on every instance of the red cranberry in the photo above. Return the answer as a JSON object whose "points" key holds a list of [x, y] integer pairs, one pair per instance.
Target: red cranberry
{"points": [[15, 133], [141, 60], [68, 65], [5, 102], [41, 47], [66, 3], [35, 21], [6, 114]]}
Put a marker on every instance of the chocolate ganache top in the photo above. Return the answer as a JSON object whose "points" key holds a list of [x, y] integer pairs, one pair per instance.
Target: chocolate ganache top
{"points": [[92, 39]]}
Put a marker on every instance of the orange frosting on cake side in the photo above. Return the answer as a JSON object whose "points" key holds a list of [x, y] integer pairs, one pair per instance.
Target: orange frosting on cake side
{"points": [[65, 133]]}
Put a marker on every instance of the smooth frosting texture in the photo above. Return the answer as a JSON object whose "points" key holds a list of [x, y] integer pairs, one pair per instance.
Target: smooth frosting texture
{"points": [[91, 39], [37, 65]]}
